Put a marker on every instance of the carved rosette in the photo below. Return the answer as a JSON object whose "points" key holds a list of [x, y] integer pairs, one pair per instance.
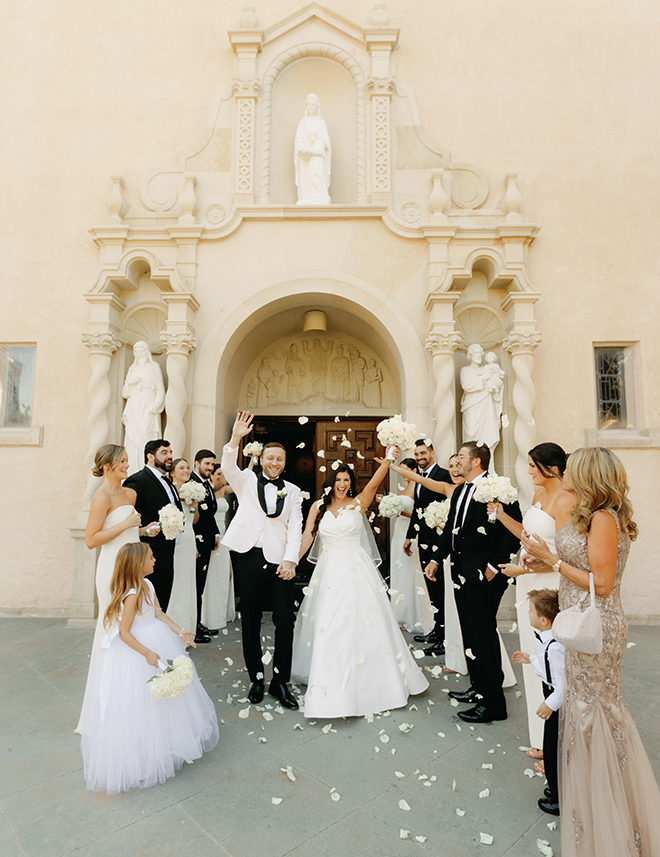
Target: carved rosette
{"points": [[246, 92], [101, 348], [380, 90], [521, 346], [442, 346], [178, 347]]}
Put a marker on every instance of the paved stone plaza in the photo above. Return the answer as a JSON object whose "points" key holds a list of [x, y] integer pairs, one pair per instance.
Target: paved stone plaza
{"points": [[223, 804]]}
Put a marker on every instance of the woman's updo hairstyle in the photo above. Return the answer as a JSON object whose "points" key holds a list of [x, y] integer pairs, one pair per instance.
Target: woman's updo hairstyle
{"points": [[546, 456], [110, 454], [409, 462]]}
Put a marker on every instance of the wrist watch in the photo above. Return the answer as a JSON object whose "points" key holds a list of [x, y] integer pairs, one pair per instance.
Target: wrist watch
{"points": [[555, 567]]}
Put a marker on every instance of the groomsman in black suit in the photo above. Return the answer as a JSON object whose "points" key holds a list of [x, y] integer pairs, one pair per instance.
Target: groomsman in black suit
{"points": [[420, 530], [154, 490], [207, 534], [476, 547]]}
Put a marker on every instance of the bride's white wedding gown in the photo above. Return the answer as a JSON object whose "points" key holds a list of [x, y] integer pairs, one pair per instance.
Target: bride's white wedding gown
{"points": [[347, 647]]}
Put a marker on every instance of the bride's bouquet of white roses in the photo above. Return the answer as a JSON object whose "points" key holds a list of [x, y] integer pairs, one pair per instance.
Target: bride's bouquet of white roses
{"points": [[390, 506], [171, 521], [174, 679], [436, 514], [253, 448], [495, 489], [191, 491], [396, 432]]}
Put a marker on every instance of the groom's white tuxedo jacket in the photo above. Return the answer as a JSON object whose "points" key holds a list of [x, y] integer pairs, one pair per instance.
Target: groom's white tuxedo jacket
{"points": [[281, 536]]}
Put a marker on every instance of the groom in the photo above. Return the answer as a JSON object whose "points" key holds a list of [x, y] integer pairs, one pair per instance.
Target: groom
{"points": [[264, 538]]}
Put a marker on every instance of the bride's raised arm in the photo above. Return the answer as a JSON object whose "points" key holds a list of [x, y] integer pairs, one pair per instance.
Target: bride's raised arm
{"points": [[307, 536], [366, 496]]}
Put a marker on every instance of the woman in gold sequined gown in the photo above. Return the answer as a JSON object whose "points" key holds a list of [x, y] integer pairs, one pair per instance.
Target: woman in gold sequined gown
{"points": [[609, 799]]}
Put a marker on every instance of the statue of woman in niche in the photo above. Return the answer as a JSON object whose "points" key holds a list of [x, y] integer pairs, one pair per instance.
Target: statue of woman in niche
{"points": [[481, 404], [312, 155], [144, 392]]}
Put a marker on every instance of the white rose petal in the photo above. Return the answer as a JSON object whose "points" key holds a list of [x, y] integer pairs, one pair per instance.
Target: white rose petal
{"points": [[404, 805], [544, 846], [335, 796], [289, 772], [276, 800], [518, 694], [453, 785], [303, 420], [262, 740], [244, 712], [399, 775], [420, 838], [321, 453], [418, 653], [481, 530], [267, 715], [469, 654], [404, 834], [484, 793], [487, 766], [630, 645], [552, 825], [267, 658], [529, 773], [486, 839], [460, 812], [385, 739]]}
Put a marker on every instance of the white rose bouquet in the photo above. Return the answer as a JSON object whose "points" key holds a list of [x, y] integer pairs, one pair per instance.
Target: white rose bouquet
{"points": [[396, 432], [495, 489], [191, 491], [436, 514], [171, 521], [253, 448], [174, 679], [390, 506]]}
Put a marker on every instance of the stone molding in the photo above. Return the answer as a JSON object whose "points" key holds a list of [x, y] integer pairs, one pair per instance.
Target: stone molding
{"points": [[522, 342], [178, 343], [101, 343]]}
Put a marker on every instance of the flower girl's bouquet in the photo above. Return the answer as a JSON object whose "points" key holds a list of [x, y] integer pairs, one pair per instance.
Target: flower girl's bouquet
{"points": [[171, 521], [436, 514], [396, 432], [254, 448], [495, 489], [174, 679], [191, 491], [390, 506]]}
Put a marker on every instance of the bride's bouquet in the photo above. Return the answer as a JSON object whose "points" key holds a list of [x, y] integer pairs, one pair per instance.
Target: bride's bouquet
{"points": [[390, 506], [174, 679], [172, 521], [253, 448], [495, 489], [396, 432], [191, 491], [436, 514]]}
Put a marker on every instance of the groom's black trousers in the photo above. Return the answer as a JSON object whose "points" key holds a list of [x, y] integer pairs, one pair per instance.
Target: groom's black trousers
{"points": [[258, 578]]}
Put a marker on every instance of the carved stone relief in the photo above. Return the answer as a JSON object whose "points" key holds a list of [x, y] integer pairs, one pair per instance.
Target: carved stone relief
{"points": [[317, 369]]}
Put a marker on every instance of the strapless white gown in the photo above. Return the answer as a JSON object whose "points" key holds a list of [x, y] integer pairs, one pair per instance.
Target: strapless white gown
{"points": [[182, 607], [410, 598], [104, 569], [348, 648], [536, 521], [218, 598]]}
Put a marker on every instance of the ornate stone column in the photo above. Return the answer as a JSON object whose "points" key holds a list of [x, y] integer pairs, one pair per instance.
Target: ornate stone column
{"points": [[178, 346], [247, 44], [381, 41], [521, 345], [442, 345]]}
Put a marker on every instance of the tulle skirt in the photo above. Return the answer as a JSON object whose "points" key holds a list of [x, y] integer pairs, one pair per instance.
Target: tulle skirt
{"points": [[129, 738]]}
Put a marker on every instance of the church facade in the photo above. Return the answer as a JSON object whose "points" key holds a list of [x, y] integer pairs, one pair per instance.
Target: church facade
{"points": [[488, 180]]}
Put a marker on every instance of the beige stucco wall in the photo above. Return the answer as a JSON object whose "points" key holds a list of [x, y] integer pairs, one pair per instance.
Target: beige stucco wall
{"points": [[562, 92]]}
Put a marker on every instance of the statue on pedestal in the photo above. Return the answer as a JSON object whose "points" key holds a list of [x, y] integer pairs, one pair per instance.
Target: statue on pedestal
{"points": [[312, 155], [144, 392], [481, 405]]}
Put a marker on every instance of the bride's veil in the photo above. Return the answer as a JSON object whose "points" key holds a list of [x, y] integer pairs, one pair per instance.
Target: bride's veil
{"points": [[367, 542]]}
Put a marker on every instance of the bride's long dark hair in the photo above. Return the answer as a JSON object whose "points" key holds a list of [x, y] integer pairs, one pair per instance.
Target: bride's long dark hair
{"points": [[328, 485]]}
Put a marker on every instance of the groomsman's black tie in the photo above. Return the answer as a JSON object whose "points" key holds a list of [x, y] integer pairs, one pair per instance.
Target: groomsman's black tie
{"points": [[460, 511]]}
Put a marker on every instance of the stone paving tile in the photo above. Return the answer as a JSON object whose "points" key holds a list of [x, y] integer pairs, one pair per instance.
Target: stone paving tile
{"points": [[35, 757], [9, 845]]}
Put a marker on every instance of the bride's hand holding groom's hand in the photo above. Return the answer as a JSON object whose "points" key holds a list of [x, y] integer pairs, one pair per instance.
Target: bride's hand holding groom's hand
{"points": [[286, 570]]}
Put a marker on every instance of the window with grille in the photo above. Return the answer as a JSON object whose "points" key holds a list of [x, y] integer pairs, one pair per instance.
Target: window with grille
{"points": [[16, 385], [615, 387]]}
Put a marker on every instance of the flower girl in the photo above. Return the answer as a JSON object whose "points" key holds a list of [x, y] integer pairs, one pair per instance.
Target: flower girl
{"points": [[130, 738]]}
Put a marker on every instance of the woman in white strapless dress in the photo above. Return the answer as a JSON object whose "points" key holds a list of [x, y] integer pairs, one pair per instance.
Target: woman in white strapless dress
{"points": [[347, 647], [549, 512], [112, 522], [182, 606]]}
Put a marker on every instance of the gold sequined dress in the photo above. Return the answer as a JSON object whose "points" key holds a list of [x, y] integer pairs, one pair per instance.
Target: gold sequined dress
{"points": [[609, 799]]}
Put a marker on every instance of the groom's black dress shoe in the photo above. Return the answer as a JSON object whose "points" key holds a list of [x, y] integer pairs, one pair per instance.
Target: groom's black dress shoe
{"points": [[482, 714], [436, 649], [201, 638], [283, 695], [256, 692], [468, 695], [431, 637], [206, 632], [547, 806]]}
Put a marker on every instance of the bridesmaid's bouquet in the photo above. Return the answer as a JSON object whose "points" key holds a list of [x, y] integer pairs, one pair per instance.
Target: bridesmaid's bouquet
{"points": [[436, 514], [174, 679], [495, 489], [191, 491], [172, 521], [390, 506], [253, 448], [396, 432]]}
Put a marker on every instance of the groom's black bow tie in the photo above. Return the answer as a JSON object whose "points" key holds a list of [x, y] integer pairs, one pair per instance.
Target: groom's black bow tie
{"points": [[262, 481], [278, 482]]}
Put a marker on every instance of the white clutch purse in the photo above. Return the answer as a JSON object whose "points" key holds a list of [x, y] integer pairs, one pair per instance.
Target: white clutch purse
{"points": [[580, 631]]}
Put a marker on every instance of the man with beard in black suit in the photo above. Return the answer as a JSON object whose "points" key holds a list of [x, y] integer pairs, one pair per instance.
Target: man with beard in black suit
{"points": [[418, 529]]}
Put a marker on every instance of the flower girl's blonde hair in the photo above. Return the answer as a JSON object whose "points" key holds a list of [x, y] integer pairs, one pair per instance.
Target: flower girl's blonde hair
{"points": [[127, 575]]}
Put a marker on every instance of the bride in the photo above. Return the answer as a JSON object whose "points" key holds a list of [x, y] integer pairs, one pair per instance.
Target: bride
{"points": [[348, 648]]}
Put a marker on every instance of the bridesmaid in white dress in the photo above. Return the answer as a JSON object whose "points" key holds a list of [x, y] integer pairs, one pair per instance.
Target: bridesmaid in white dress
{"points": [[347, 647], [218, 599], [549, 512], [112, 522], [182, 607], [410, 598]]}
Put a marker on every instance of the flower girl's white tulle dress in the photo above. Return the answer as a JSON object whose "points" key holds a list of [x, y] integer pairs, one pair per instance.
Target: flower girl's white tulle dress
{"points": [[129, 738]]}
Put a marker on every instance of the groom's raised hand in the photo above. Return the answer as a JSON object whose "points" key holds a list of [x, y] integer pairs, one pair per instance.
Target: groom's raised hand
{"points": [[242, 426]]}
